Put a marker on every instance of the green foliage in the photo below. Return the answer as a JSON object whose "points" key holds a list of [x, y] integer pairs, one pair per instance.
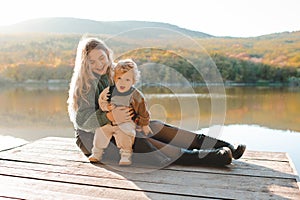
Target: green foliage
{"points": [[267, 59], [279, 50], [241, 71], [23, 73], [159, 65]]}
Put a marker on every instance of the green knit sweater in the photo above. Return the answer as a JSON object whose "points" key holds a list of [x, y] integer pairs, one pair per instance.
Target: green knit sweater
{"points": [[89, 116]]}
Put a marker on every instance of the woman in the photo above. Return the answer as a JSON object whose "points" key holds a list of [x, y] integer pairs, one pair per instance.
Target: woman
{"points": [[92, 74]]}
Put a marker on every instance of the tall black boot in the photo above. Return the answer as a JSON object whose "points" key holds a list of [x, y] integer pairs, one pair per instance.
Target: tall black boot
{"points": [[218, 157], [189, 140], [207, 142]]}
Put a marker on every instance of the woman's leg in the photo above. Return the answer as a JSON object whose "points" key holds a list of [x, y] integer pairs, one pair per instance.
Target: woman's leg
{"points": [[219, 157], [84, 141], [171, 151], [189, 140], [183, 138]]}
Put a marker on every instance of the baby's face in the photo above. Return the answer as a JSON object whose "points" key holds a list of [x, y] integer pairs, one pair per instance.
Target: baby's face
{"points": [[123, 81]]}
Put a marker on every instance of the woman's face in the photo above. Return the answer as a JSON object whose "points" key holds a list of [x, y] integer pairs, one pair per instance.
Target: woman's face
{"points": [[98, 61]]}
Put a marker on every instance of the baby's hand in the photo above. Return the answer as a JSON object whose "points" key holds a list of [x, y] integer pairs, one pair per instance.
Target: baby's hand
{"points": [[147, 130], [110, 106]]}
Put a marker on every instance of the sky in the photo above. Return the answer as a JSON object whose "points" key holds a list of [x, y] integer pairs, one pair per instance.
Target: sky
{"points": [[236, 18]]}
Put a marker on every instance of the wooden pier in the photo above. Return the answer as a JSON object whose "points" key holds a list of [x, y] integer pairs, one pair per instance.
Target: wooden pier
{"points": [[54, 168]]}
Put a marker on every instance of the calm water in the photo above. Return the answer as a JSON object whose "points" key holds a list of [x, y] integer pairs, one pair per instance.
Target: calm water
{"points": [[264, 118], [36, 112]]}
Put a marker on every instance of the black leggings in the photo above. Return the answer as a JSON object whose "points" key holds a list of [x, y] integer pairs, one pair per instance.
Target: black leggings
{"points": [[174, 136]]}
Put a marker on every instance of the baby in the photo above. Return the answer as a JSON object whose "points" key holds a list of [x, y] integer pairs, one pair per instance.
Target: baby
{"points": [[123, 93]]}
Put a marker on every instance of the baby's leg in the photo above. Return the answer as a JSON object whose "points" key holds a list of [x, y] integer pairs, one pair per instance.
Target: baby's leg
{"points": [[128, 128], [125, 142], [101, 140]]}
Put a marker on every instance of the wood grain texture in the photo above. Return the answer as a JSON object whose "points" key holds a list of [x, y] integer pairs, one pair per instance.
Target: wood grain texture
{"points": [[54, 168]]}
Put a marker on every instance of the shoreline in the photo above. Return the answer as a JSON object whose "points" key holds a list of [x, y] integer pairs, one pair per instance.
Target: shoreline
{"points": [[65, 83], [10, 142]]}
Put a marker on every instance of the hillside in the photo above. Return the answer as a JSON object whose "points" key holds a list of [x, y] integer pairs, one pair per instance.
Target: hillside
{"points": [[278, 49], [47, 51], [82, 26]]}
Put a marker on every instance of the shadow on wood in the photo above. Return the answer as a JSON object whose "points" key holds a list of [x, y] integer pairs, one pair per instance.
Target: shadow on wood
{"points": [[55, 168]]}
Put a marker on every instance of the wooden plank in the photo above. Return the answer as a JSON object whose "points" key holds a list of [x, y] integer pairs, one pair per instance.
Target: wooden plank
{"points": [[294, 170], [17, 188], [164, 181], [264, 166], [68, 144], [33, 188], [265, 155], [70, 155], [148, 187], [58, 160], [246, 168]]}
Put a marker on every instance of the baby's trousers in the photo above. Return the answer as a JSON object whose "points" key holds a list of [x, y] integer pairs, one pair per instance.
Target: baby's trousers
{"points": [[124, 135]]}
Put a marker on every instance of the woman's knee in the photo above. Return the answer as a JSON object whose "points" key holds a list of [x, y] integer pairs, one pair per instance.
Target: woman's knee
{"points": [[82, 147]]}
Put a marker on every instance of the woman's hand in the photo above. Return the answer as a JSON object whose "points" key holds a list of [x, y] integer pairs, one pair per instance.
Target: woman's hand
{"points": [[120, 114], [110, 107]]}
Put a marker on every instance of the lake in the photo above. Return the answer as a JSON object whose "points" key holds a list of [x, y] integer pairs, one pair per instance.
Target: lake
{"points": [[34, 112], [23, 110]]}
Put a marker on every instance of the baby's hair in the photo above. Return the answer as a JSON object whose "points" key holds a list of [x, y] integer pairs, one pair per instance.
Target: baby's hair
{"points": [[126, 65]]}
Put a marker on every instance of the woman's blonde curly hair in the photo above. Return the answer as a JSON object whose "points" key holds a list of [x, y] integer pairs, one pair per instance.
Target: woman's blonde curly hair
{"points": [[82, 74]]}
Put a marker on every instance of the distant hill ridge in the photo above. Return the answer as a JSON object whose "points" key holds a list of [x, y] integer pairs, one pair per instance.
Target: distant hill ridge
{"points": [[17, 41], [81, 26]]}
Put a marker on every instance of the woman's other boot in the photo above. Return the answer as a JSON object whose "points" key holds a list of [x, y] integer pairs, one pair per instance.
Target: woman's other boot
{"points": [[218, 157]]}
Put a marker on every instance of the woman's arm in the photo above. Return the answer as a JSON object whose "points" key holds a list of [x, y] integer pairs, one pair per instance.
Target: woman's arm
{"points": [[89, 117]]}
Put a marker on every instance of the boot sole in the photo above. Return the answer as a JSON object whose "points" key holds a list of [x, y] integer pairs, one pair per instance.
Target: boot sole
{"points": [[93, 160], [124, 163], [239, 151]]}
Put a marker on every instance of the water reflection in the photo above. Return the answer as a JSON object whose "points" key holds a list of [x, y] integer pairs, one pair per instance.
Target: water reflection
{"points": [[44, 109], [272, 107], [33, 106]]}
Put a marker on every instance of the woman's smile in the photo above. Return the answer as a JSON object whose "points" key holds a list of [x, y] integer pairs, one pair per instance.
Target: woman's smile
{"points": [[98, 61]]}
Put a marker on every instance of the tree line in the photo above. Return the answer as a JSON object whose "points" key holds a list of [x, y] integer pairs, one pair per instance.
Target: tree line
{"points": [[48, 57], [168, 68]]}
